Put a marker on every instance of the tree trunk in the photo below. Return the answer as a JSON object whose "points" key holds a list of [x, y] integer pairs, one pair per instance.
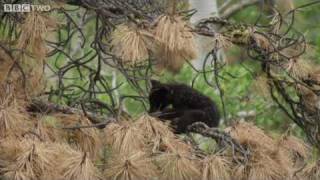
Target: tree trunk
{"points": [[205, 9]]}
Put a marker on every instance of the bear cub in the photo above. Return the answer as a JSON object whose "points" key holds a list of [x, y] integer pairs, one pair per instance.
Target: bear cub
{"points": [[182, 106]]}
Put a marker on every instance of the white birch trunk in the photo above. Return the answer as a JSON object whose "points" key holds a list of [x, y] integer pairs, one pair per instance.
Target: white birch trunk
{"points": [[205, 9]]}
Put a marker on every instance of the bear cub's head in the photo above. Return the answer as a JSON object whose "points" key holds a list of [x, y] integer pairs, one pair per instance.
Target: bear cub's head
{"points": [[160, 96]]}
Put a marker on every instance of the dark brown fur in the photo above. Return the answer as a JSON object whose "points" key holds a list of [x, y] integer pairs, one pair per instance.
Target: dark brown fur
{"points": [[187, 105]]}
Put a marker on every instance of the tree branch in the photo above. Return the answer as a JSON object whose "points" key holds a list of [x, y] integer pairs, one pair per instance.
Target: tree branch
{"points": [[39, 106], [222, 138], [237, 7]]}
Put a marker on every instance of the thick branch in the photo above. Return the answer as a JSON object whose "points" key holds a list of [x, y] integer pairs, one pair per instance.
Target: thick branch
{"points": [[39, 106], [237, 7], [221, 138]]}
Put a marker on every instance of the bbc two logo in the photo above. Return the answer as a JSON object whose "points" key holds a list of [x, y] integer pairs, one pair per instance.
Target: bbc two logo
{"points": [[25, 7]]}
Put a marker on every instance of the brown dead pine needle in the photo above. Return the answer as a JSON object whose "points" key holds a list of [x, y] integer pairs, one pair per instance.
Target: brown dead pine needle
{"points": [[125, 137], [178, 166], [175, 42], [129, 43], [132, 166]]}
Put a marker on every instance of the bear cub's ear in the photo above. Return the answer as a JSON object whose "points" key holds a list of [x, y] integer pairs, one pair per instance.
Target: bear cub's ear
{"points": [[157, 86], [155, 83]]}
